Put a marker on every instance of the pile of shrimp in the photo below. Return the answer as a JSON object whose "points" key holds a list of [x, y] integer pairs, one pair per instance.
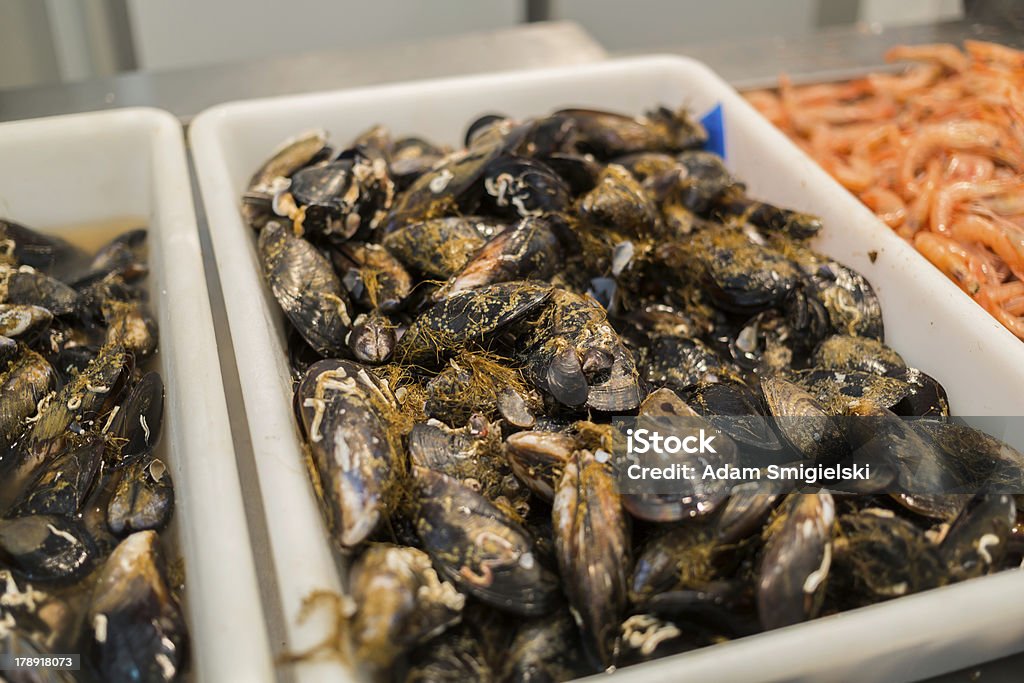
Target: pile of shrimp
{"points": [[937, 151]]}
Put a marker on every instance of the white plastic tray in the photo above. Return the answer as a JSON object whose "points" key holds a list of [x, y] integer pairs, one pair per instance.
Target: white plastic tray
{"points": [[88, 169], [928, 320]]}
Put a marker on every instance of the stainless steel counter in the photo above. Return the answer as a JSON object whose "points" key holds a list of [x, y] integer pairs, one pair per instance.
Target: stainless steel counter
{"points": [[186, 92], [828, 54]]}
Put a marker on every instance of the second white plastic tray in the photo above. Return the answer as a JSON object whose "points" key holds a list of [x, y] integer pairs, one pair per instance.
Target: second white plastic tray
{"points": [[928, 320], [65, 173]]}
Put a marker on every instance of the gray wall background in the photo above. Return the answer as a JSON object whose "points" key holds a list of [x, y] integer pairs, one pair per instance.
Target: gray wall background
{"points": [[44, 41]]}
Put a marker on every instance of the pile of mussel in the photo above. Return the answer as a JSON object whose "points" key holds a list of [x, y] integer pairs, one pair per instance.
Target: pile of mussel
{"points": [[83, 498], [463, 325]]}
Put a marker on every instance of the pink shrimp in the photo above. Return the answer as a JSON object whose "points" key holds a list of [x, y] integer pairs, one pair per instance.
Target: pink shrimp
{"points": [[873, 137], [1005, 204], [908, 83], [825, 92], [970, 167], [992, 52], [944, 201], [919, 210], [949, 257], [937, 152], [968, 136], [1014, 323], [1007, 291], [975, 228], [791, 105], [889, 206], [854, 174], [984, 265], [945, 55], [855, 112]]}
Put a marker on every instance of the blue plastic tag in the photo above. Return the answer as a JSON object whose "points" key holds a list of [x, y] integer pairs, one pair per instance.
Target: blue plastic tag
{"points": [[715, 126]]}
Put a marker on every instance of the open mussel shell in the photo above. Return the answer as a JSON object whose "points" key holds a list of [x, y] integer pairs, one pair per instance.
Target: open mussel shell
{"points": [[46, 547], [480, 549]]}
